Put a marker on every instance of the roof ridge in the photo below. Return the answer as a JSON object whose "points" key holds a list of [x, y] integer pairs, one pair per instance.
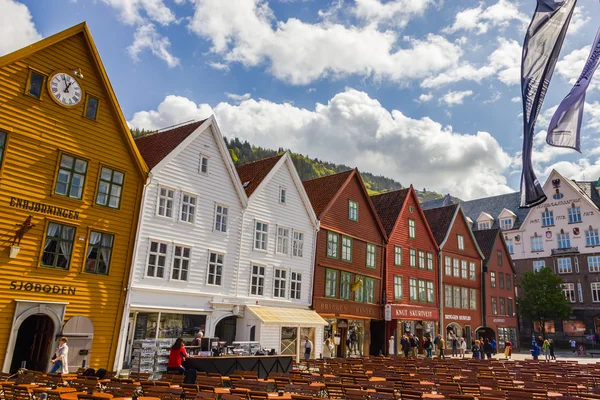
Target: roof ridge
{"points": [[168, 129], [389, 192], [262, 159], [328, 176]]}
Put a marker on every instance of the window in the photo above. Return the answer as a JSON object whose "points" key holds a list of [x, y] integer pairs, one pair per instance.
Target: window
{"points": [[369, 290], [181, 263], [569, 291], [499, 258], [508, 282], [2, 146], [580, 292], [574, 214], [165, 202], [359, 293], [188, 208], [345, 284], [502, 306], [422, 291], [547, 218], [371, 254], [564, 242], [35, 84], [464, 298], [71, 177], [279, 282], [422, 259], [537, 244], [509, 245], [215, 269], [461, 242], [110, 187], [472, 273], [91, 107], [297, 244], [413, 258], [506, 224], [592, 238], [430, 261], [397, 255], [295, 285], [157, 260], [283, 240], [538, 265], [473, 299], [257, 280], [346, 248], [413, 289], [221, 213], [282, 195], [98, 253], [501, 280], [261, 236], [494, 306], [412, 229], [331, 276], [456, 296], [430, 292], [594, 263], [448, 295], [397, 287], [595, 286], [510, 307], [448, 265], [456, 268], [483, 225], [352, 210], [332, 244], [564, 265], [203, 167], [463, 269], [493, 279]]}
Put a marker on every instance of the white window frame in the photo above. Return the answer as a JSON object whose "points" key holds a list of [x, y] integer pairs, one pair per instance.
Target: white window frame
{"points": [[593, 263], [216, 265], [295, 285], [412, 258], [200, 165], [461, 242], [592, 238], [506, 224], [371, 255], [224, 216], [563, 240], [574, 215], [260, 279], [595, 288], [569, 291], [412, 228], [538, 265], [282, 195], [297, 243], [282, 243], [430, 261], [579, 292], [281, 291], [464, 272], [561, 270], [548, 216], [398, 287], [168, 199], [422, 259], [264, 235], [483, 225], [189, 205], [398, 256], [158, 254], [448, 265], [182, 260], [473, 299], [472, 271], [456, 267], [510, 246], [492, 279], [537, 244]]}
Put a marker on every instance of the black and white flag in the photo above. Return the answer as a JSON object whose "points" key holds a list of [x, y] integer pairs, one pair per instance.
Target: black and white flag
{"points": [[565, 126], [541, 48]]}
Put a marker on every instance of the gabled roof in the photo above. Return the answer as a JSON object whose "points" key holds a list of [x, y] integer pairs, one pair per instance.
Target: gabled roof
{"points": [[486, 239], [437, 203], [507, 211], [388, 206], [494, 206], [66, 34], [589, 189], [155, 147], [485, 217], [253, 173], [440, 221]]}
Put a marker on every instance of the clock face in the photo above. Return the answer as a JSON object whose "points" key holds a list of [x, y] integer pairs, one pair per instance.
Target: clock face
{"points": [[65, 90]]}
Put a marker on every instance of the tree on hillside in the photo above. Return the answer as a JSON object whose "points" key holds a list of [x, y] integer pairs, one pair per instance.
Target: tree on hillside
{"points": [[541, 298]]}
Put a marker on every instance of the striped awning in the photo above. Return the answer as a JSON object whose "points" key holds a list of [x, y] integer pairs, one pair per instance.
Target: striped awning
{"points": [[287, 315]]}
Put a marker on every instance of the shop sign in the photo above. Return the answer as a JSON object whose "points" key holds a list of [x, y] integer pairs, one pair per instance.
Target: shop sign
{"points": [[388, 312], [400, 312], [324, 307], [498, 320], [43, 208], [455, 317], [574, 328], [41, 288]]}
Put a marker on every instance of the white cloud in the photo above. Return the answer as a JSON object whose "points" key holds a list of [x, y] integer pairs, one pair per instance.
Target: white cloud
{"points": [[480, 19], [395, 12], [454, 98], [494, 98], [515, 99], [17, 29], [425, 97], [246, 32], [147, 38], [364, 134], [570, 66], [135, 12], [238, 98], [578, 20]]}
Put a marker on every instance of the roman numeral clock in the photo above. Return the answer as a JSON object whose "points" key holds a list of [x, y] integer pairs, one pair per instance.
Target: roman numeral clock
{"points": [[65, 89]]}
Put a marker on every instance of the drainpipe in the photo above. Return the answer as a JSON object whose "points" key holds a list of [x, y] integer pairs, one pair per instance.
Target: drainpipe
{"points": [[441, 298], [239, 246], [483, 296], [313, 259]]}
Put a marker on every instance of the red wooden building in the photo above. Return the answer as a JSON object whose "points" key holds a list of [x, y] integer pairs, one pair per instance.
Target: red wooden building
{"points": [[349, 261], [411, 266], [500, 319], [461, 263]]}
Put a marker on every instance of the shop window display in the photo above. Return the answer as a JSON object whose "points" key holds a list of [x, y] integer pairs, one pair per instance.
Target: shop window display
{"points": [[355, 337]]}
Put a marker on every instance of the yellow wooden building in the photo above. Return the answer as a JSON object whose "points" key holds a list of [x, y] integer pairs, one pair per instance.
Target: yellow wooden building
{"points": [[71, 181]]}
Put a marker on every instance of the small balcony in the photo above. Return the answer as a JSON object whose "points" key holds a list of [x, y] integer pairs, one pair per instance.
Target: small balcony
{"points": [[565, 251]]}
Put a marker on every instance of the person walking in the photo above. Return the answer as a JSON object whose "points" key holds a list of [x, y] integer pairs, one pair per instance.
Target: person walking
{"points": [[551, 347], [476, 349], [463, 347], [488, 349], [507, 348], [455, 346], [308, 347], [546, 350], [391, 350], [494, 345], [414, 345], [573, 345], [177, 356], [427, 345], [405, 345], [442, 345], [328, 349], [534, 350], [60, 360]]}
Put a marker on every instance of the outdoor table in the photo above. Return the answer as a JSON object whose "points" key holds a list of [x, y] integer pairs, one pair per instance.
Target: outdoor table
{"points": [[554, 394], [433, 396], [285, 396], [377, 379], [427, 383], [221, 390], [73, 395]]}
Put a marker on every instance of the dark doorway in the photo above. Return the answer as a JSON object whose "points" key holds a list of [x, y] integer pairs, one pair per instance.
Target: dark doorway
{"points": [[253, 333], [225, 329], [378, 339], [486, 333], [33, 344]]}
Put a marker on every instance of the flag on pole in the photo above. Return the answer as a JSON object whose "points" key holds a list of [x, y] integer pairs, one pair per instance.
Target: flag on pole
{"points": [[565, 126], [541, 48]]}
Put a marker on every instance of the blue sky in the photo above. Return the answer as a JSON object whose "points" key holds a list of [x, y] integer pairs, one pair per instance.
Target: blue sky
{"points": [[423, 91]]}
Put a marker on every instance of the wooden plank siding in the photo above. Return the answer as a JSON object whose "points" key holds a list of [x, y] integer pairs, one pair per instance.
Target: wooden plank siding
{"points": [[38, 130]]}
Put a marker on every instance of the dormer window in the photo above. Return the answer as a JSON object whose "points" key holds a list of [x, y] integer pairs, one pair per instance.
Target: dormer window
{"points": [[484, 225], [506, 224], [485, 221]]}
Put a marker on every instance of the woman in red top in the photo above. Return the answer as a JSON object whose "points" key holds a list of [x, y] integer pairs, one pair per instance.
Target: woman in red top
{"points": [[177, 356]]}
